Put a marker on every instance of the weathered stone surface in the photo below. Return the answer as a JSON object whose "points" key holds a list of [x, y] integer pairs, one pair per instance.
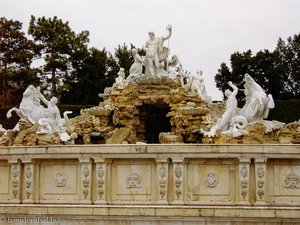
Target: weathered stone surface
{"points": [[170, 138], [118, 136]]}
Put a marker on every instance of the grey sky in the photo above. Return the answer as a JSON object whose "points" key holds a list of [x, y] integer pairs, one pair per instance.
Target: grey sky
{"points": [[205, 32]]}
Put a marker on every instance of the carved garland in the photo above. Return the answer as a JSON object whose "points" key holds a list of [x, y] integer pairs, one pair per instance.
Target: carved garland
{"points": [[260, 182], [28, 174], [244, 181], [178, 174], [15, 180], [162, 181], [100, 174], [86, 183]]}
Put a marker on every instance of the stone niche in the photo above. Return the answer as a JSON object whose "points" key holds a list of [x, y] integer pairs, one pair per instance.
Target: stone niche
{"points": [[160, 111]]}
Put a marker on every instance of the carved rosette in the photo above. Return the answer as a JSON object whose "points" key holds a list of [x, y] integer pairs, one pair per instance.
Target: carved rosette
{"points": [[178, 181], [61, 179], [86, 180], [162, 181], [133, 180], [244, 174], [211, 180], [100, 180], [292, 181], [260, 181], [28, 182], [15, 179]]}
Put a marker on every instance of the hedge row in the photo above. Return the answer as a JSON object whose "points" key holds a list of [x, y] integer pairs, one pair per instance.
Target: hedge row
{"points": [[285, 111]]}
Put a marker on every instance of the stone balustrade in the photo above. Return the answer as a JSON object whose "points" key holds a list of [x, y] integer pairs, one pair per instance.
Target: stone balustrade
{"points": [[215, 177]]}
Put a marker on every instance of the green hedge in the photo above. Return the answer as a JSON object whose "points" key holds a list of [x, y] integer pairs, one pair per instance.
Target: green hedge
{"points": [[285, 111]]}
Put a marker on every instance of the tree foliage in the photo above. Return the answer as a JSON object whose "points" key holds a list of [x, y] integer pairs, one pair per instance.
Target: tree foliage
{"points": [[89, 79], [278, 72], [59, 44], [16, 55]]}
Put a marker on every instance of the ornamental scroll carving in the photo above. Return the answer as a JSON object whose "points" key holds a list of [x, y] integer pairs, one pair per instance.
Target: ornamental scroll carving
{"points": [[244, 181], [86, 182], [28, 182], [162, 181], [100, 175], [260, 181], [178, 182], [15, 180]]}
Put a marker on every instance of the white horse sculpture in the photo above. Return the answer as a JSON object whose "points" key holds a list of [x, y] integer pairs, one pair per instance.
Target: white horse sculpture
{"points": [[258, 103], [48, 119], [30, 107]]}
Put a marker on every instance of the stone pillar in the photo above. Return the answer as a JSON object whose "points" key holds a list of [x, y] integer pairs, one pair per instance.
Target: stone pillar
{"points": [[101, 181], [260, 180], [244, 172], [15, 181], [178, 173], [162, 181], [28, 181], [86, 180]]}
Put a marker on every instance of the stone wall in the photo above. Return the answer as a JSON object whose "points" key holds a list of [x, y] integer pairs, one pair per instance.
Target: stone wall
{"points": [[218, 182]]}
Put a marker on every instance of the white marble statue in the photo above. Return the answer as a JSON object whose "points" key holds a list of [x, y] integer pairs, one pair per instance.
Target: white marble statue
{"points": [[120, 80], [136, 68], [174, 67], [223, 123], [156, 52], [31, 109], [258, 103], [52, 122], [196, 85], [255, 110]]}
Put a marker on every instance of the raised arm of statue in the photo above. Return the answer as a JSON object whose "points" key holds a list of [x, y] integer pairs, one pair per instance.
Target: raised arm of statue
{"points": [[169, 29], [40, 96]]}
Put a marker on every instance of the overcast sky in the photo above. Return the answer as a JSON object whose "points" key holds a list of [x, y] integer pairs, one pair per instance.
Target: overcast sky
{"points": [[205, 32]]}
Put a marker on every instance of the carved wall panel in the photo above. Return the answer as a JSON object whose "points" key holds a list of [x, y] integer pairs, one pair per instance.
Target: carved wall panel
{"points": [[211, 180], [4, 181], [59, 180], [133, 180], [284, 181]]}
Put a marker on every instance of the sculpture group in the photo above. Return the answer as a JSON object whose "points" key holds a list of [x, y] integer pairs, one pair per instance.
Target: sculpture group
{"points": [[48, 118], [153, 79]]}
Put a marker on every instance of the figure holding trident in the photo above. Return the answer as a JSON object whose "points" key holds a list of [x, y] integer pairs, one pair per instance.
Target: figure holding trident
{"points": [[155, 52]]}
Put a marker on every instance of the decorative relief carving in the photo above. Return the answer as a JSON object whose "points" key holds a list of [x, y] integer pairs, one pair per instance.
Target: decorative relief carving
{"points": [[162, 181], [211, 180], [28, 183], [260, 181], [15, 180], [292, 181], [86, 182], [244, 181], [134, 180], [178, 182], [100, 174], [61, 179]]}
